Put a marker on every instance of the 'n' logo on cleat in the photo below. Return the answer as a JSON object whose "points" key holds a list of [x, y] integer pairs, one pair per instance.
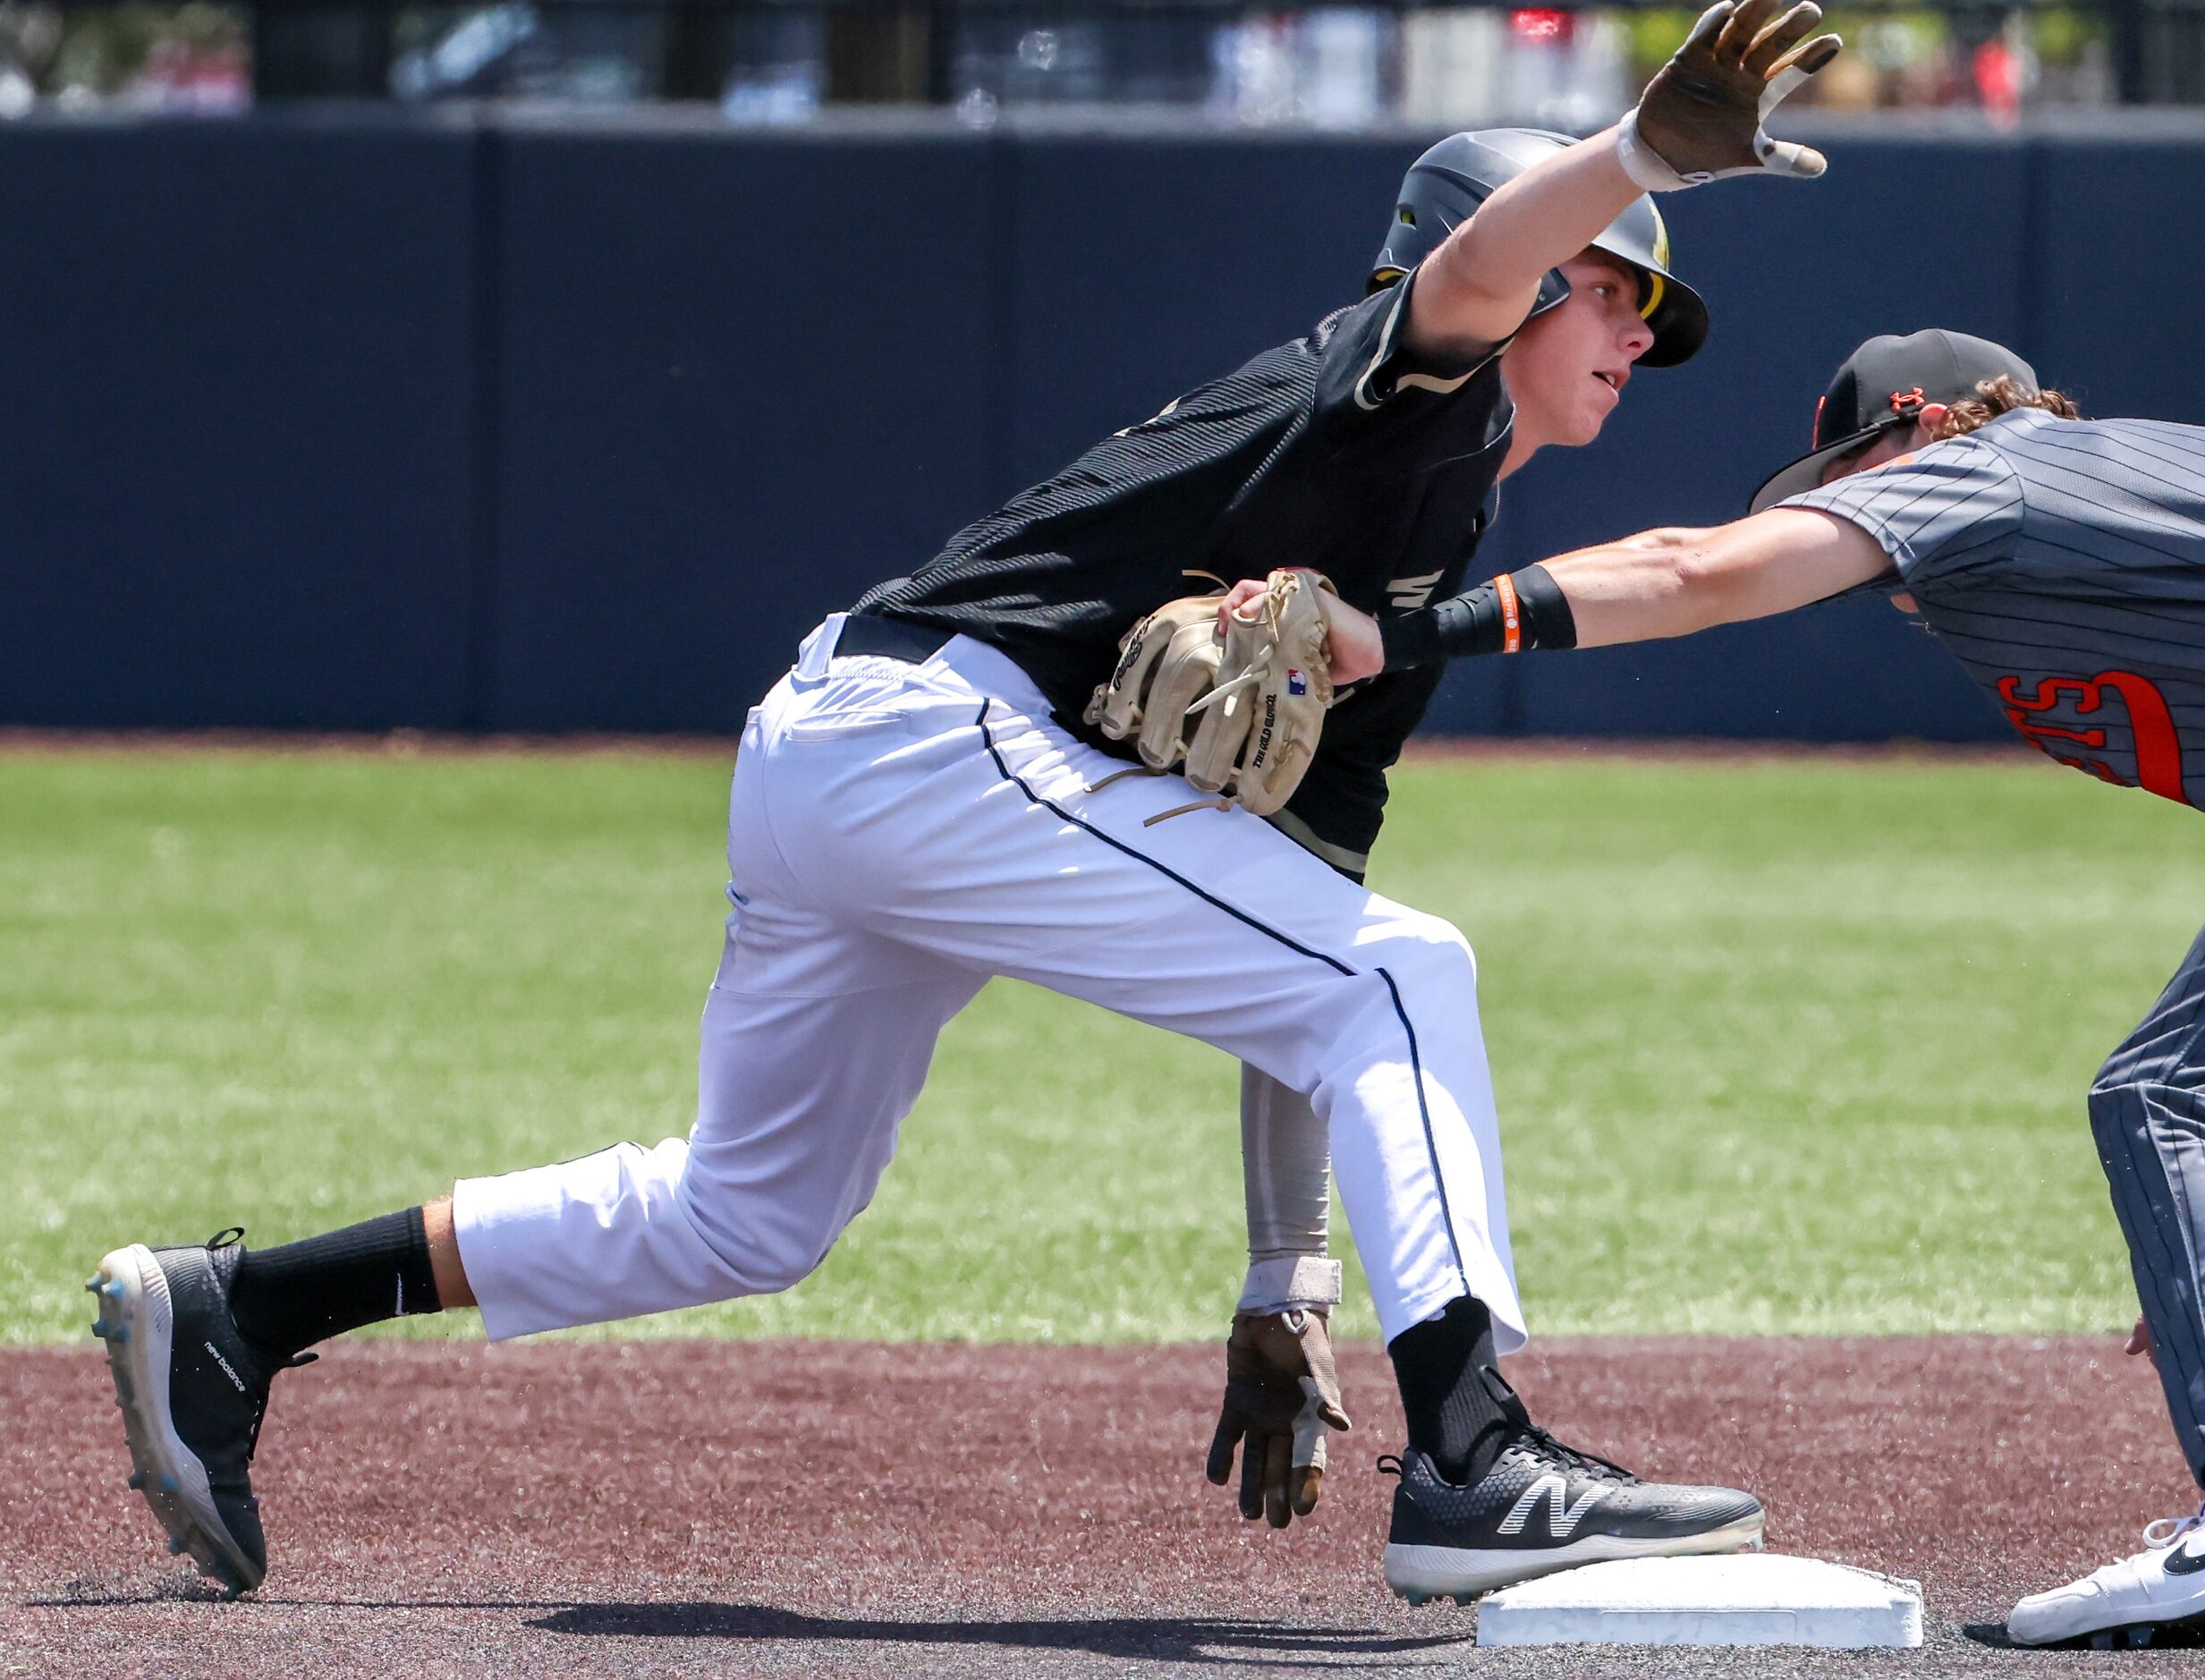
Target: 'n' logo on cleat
{"points": [[1561, 1521]]}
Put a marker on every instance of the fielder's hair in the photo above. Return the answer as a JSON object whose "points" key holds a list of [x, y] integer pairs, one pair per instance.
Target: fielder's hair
{"points": [[1998, 397]]}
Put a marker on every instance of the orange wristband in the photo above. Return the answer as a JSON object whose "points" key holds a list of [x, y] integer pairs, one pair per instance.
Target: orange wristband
{"points": [[1512, 614]]}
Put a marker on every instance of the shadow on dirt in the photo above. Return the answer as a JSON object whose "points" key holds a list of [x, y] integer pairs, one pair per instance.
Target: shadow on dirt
{"points": [[2185, 1635], [1162, 1639], [1218, 1641]]}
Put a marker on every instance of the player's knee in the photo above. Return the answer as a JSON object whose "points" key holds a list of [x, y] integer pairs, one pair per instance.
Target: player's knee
{"points": [[753, 1256], [2123, 1103], [767, 1269], [1427, 953]]}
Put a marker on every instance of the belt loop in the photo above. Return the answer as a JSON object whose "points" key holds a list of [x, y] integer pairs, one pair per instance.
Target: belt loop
{"points": [[818, 648]]}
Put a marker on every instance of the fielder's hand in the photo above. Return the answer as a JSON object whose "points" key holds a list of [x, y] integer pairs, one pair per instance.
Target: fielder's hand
{"points": [[1352, 649], [1281, 1395], [1701, 116]]}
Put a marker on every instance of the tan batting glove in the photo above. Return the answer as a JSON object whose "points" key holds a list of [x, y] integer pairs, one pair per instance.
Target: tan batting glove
{"points": [[1701, 116], [1282, 1395]]}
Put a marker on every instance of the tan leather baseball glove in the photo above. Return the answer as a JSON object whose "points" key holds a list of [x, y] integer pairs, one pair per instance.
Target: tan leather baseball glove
{"points": [[1166, 663], [1256, 703]]}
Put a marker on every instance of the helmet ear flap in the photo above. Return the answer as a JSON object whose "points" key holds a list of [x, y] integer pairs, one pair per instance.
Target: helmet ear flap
{"points": [[1554, 289]]}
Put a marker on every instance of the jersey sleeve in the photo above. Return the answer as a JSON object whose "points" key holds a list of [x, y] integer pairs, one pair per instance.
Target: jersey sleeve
{"points": [[1934, 513], [1368, 368]]}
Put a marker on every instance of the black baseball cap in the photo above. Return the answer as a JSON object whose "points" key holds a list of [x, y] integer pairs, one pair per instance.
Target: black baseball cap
{"points": [[1887, 382]]}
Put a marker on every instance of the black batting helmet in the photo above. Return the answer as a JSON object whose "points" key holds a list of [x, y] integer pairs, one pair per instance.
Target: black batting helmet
{"points": [[1455, 177]]}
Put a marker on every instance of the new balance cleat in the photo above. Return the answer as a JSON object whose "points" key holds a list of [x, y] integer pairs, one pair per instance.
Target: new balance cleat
{"points": [[1544, 1506], [192, 1392]]}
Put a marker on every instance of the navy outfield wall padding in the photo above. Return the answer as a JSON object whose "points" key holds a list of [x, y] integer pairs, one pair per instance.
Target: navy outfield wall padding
{"points": [[369, 418], [233, 410], [743, 377], [2119, 244], [1145, 265]]}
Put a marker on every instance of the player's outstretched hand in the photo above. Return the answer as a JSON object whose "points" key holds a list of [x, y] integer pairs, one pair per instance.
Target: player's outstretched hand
{"points": [[1282, 1395], [1354, 650], [1701, 116]]}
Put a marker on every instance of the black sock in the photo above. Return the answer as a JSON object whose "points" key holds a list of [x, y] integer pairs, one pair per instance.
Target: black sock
{"points": [[1455, 1416], [291, 1297]]}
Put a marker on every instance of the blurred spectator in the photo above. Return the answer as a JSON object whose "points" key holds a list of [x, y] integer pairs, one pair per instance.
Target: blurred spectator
{"points": [[192, 59], [1325, 65], [585, 55]]}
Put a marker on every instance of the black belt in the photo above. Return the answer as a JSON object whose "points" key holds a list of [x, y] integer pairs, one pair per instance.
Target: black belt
{"points": [[865, 634]]}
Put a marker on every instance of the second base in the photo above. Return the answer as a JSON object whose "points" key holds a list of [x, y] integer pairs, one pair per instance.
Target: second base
{"points": [[1742, 1599]]}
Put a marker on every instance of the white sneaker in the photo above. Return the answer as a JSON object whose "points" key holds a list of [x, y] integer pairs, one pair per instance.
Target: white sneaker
{"points": [[2127, 1602]]}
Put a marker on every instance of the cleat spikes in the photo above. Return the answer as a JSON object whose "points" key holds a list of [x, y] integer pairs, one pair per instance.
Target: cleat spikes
{"points": [[175, 1546], [99, 1327], [138, 1482], [92, 1284], [114, 1291], [168, 1484]]}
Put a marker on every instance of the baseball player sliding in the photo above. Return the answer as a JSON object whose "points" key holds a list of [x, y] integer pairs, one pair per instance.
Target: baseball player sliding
{"points": [[950, 784], [2063, 561]]}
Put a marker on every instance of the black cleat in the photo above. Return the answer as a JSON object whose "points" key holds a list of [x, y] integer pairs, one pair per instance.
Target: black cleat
{"points": [[1542, 1508], [192, 1391]]}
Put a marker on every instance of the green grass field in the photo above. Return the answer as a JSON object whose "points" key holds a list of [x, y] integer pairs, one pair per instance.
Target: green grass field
{"points": [[1781, 1046]]}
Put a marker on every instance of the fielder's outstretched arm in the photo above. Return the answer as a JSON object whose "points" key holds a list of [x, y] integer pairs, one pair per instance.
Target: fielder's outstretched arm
{"points": [[1657, 584], [1662, 583]]}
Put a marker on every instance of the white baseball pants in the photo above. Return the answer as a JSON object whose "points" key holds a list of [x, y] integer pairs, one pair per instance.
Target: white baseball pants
{"points": [[896, 835]]}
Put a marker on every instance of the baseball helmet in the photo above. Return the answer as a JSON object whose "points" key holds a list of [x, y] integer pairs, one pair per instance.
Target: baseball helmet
{"points": [[1455, 177]]}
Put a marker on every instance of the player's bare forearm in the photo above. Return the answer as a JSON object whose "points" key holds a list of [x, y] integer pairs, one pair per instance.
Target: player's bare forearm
{"points": [[1477, 288], [1664, 583]]}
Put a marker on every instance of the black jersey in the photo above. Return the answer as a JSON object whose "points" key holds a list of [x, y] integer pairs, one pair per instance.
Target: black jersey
{"points": [[1339, 451]]}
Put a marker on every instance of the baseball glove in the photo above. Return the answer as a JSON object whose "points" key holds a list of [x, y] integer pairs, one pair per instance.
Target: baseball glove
{"points": [[1257, 702]]}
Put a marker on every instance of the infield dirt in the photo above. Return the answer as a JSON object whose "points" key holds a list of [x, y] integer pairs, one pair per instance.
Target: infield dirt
{"points": [[735, 1508]]}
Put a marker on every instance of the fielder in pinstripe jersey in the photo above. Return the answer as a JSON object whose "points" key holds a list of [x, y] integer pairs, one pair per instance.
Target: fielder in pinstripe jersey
{"points": [[2063, 561]]}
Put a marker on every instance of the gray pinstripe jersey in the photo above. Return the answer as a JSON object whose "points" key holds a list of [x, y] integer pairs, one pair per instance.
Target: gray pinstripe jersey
{"points": [[2064, 561]]}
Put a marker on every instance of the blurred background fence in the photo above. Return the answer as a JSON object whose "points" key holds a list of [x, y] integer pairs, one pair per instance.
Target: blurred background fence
{"points": [[512, 413], [780, 60]]}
